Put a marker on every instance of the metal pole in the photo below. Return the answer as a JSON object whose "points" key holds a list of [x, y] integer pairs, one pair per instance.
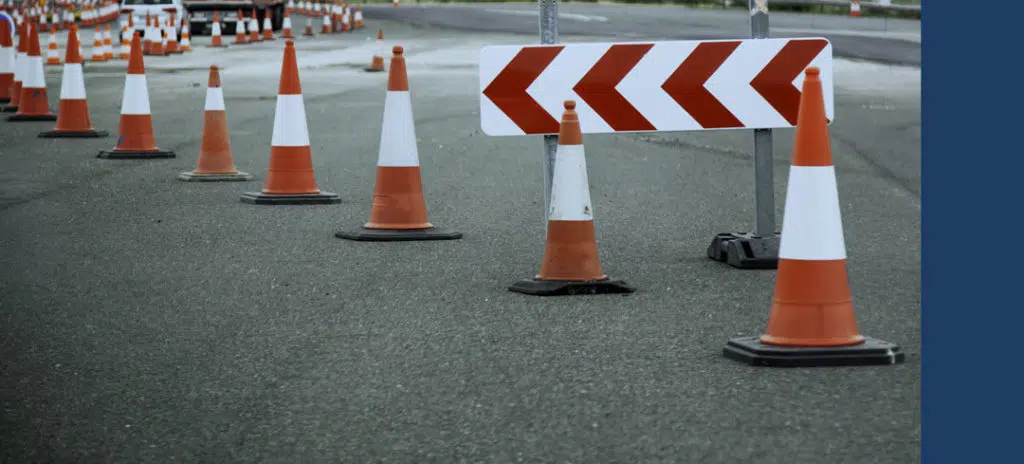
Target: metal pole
{"points": [[548, 35], [764, 166]]}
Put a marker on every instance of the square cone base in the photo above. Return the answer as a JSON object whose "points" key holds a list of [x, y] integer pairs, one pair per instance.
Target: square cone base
{"points": [[538, 287], [75, 134], [745, 251], [226, 177], [127, 154], [4, 101], [872, 352], [363, 234], [260, 198], [369, 69], [32, 117], [9, 109]]}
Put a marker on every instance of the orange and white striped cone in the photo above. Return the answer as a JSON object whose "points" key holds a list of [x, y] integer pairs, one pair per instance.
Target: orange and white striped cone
{"points": [[254, 28], [108, 43], [33, 104], [147, 36], [240, 37], [216, 40], [399, 210], [812, 321], [186, 38], [377, 63], [7, 54], [290, 177], [52, 52], [268, 28], [570, 265], [854, 7], [359, 17], [73, 110], [215, 160], [20, 58], [286, 26], [126, 40], [97, 45], [135, 135], [309, 28], [172, 37], [326, 27]]}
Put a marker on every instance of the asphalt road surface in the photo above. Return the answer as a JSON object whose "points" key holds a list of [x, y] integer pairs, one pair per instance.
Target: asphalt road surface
{"points": [[144, 319]]}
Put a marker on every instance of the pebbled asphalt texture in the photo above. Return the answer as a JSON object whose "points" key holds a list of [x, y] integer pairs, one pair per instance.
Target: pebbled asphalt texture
{"points": [[145, 319]]}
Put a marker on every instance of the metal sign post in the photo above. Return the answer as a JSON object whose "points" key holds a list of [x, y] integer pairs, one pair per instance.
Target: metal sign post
{"points": [[548, 35], [760, 249]]}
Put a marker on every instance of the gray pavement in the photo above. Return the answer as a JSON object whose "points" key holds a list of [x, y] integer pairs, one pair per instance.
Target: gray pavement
{"points": [[144, 319]]}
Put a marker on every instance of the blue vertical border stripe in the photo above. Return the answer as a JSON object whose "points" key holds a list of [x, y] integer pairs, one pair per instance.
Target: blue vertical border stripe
{"points": [[972, 201]]}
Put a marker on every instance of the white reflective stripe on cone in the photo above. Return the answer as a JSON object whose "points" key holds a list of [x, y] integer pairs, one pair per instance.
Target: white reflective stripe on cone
{"points": [[290, 128], [19, 66], [812, 228], [398, 132], [72, 85], [214, 99], [34, 76], [6, 60], [216, 29], [287, 23], [570, 188], [136, 95]]}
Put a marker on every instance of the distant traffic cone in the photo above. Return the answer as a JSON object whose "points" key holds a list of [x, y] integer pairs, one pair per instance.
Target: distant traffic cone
{"points": [[240, 37], [215, 160], [854, 7], [126, 40], [399, 211], [52, 52], [325, 28], [286, 26], [254, 28], [20, 58], [215, 34], [812, 321], [135, 138], [73, 110], [570, 265], [108, 43], [172, 37], [186, 38], [377, 63], [309, 28], [359, 17], [290, 178], [97, 45], [7, 53], [33, 104], [147, 36], [268, 28]]}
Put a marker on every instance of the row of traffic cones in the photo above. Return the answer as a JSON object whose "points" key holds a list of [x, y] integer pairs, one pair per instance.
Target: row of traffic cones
{"points": [[64, 18]]}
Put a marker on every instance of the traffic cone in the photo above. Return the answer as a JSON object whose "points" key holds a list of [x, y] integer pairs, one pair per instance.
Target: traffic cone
{"points": [[108, 44], [855, 8], [326, 27], [215, 34], [359, 17], [7, 53], [97, 45], [399, 211], [812, 321], [290, 178], [570, 265], [73, 110], [287, 26], [377, 63], [254, 28], [186, 38], [215, 160], [240, 37], [33, 104], [126, 40], [268, 28], [172, 37], [309, 28], [52, 52], [20, 57], [147, 36], [135, 135]]}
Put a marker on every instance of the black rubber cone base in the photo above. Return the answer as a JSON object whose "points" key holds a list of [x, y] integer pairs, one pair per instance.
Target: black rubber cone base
{"points": [[86, 134], [125, 154], [4, 101], [231, 177], [9, 109], [369, 69], [363, 234], [745, 251], [32, 117], [260, 198], [872, 352], [567, 287]]}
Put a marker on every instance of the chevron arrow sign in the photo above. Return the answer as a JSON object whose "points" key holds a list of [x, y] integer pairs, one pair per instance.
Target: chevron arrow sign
{"points": [[650, 86]]}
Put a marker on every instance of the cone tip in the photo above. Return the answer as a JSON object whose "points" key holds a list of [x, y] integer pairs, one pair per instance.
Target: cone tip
{"points": [[813, 71], [397, 50], [570, 104], [289, 43], [213, 67]]}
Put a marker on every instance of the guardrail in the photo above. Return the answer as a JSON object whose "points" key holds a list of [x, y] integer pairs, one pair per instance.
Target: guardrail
{"points": [[864, 5]]}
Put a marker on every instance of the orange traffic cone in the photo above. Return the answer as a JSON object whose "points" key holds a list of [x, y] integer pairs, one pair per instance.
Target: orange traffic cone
{"points": [[135, 139], [172, 37], [33, 104], [399, 211], [254, 28], [147, 36], [215, 34], [21, 54], [377, 63], [290, 178], [286, 26], [268, 27], [570, 265], [812, 321], [97, 45], [73, 110], [108, 44], [215, 160], [309, 28], [52, 53], [7, 53], [240, 37]]}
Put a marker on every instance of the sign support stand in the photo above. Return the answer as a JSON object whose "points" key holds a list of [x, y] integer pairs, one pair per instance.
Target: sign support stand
{"points": [[548, 35], [760, 249]]}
